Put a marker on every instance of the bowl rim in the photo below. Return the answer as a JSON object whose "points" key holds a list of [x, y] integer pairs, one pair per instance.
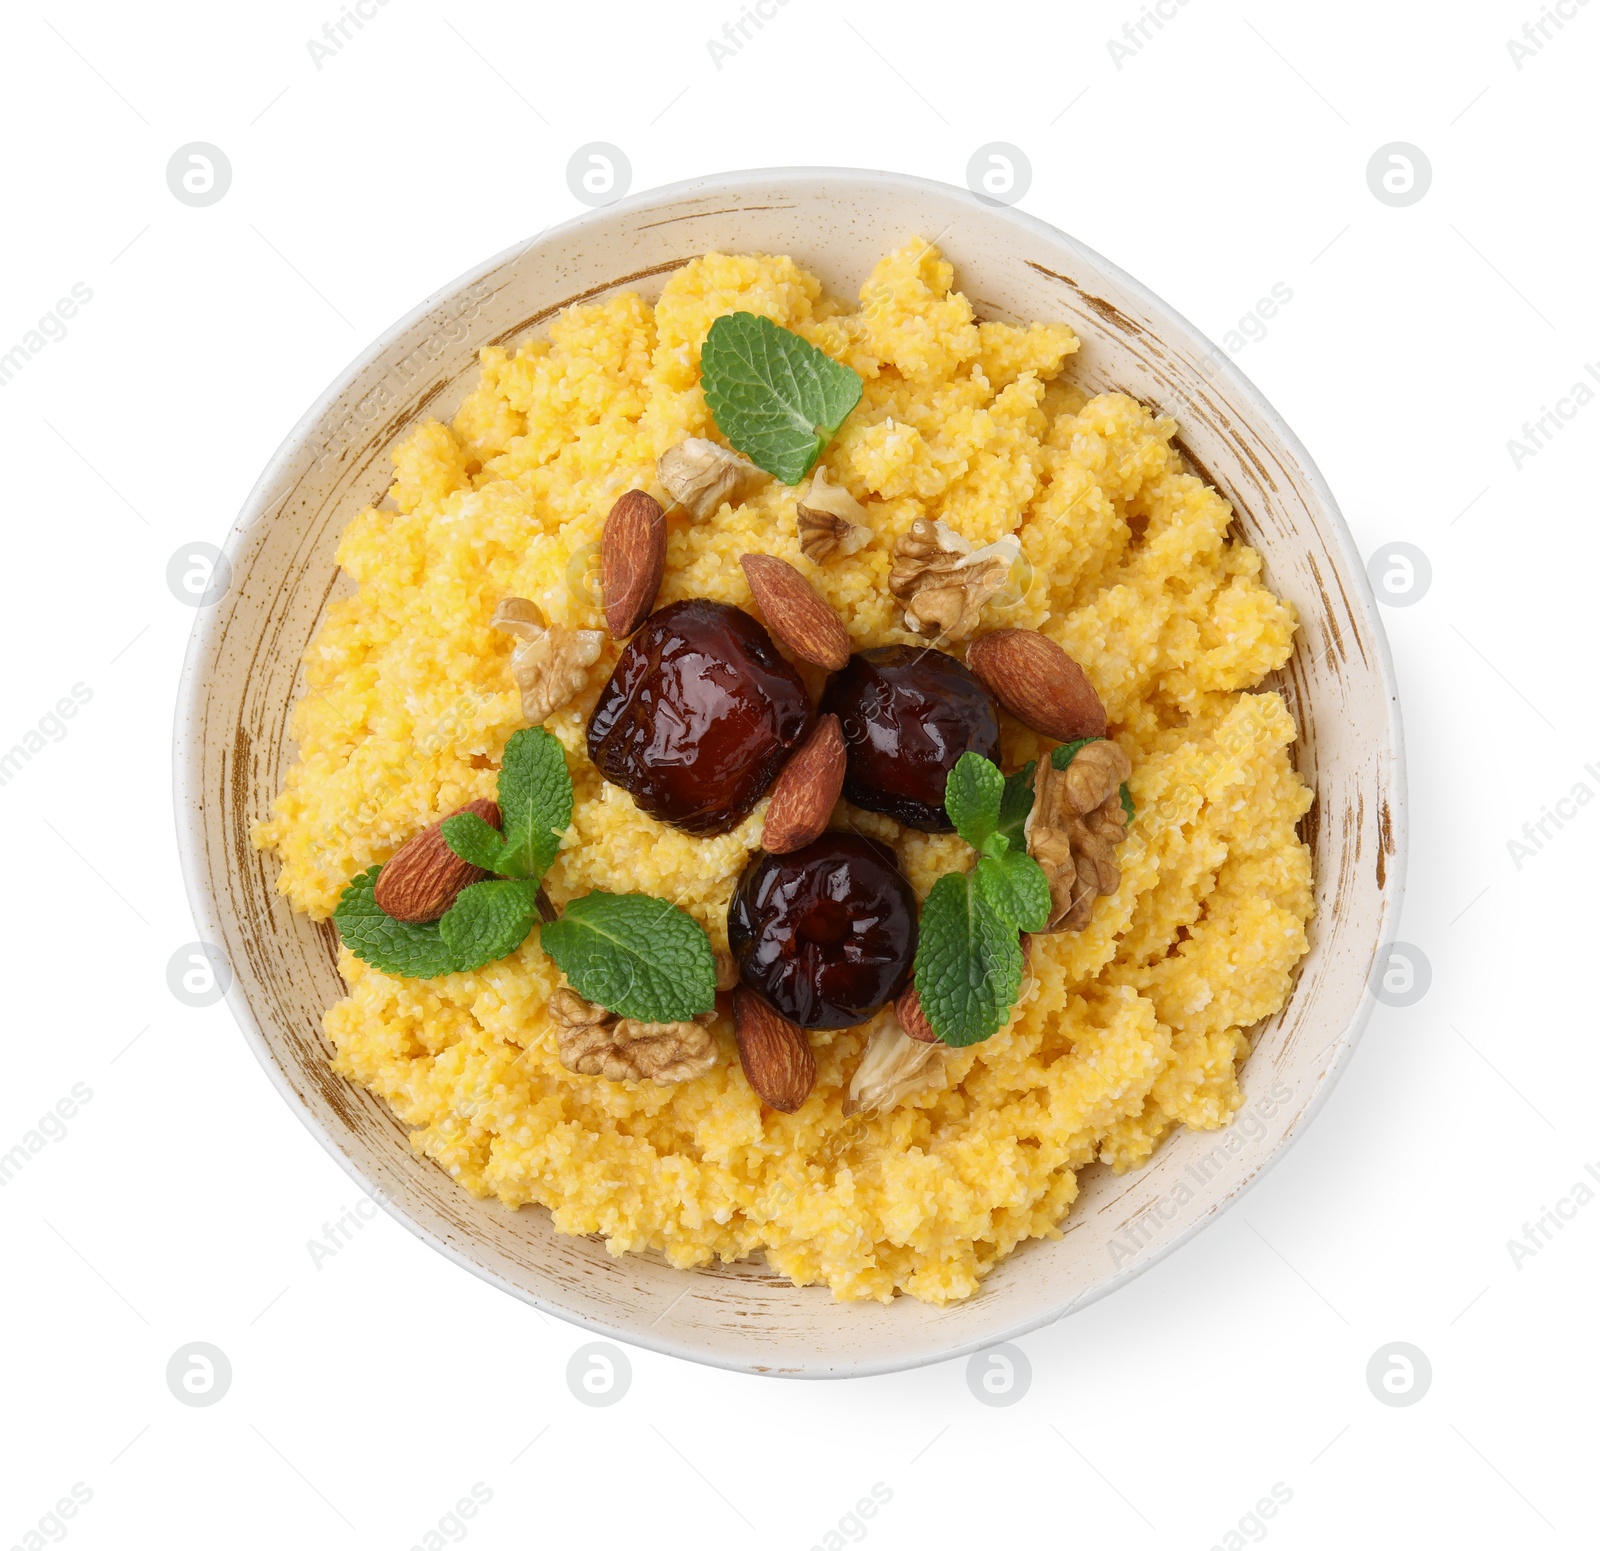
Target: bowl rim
{"points": [[256, 509]]}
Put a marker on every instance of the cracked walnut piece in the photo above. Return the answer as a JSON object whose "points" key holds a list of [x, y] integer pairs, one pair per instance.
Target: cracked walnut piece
{"points": [[549, 662], [700, 475], [626, 1050], [1074, 829], [829, 520], [944, 582]]}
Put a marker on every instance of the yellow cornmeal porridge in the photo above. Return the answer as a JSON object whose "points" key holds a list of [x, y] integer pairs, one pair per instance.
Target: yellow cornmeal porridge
{"points": [[1123, 1031]]}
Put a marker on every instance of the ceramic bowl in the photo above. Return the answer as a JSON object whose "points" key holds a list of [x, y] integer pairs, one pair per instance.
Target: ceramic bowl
{"points": [[242, 675]]}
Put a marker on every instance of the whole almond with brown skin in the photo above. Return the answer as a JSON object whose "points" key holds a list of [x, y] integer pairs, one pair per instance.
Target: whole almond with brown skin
{"points": [[1038, 684], [908, 1014], [806, 790], [421, 880], [633, 554], [775, 1054], [795, 612]]}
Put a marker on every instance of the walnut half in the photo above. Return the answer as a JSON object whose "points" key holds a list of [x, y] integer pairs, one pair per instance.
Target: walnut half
{"points": [[593, 1044], [944, 582], [700, 475], [830, 520], [1074, 829], [549, 662]]}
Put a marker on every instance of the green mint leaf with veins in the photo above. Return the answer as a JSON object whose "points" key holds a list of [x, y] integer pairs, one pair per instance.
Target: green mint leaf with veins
{"points": [[1016, 804], [474, 840], [636, 956], [775, 396], [535, 803], [1016, 889], [972, 795], [488, 921], [969, 965], [376, 938], [1127, 803]]}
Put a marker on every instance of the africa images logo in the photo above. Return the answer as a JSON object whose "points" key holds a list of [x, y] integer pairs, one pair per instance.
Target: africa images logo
{"points": [[50, 329]]}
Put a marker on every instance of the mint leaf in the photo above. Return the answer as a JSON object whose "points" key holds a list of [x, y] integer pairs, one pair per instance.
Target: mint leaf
{"points": [[535, 802], [972, 793], [969, 965], [1127, 803], [1016, 889], [1016, 804], [775, 396], [1062, 754], [376, 938], [474, 840], [488, 921], [636, 956]]}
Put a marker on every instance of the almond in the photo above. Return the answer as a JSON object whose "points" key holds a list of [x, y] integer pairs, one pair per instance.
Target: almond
{"points": [[804, 795], [796, 612], [908, 1014], [775, 1054], [421, 880], [633, 554], [1038, 684]]}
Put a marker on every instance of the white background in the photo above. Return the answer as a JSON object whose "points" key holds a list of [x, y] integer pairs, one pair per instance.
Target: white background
{"points": [[1227, 155]]}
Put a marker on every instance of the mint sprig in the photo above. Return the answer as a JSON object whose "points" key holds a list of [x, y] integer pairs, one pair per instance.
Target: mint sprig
{"points": [[634, 955], [776, 397], [968, 969], [489, 920]]}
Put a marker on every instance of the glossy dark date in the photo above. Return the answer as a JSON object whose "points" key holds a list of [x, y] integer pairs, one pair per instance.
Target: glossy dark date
{"points": [[908, 713], [826, 933], [699, 716]]}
